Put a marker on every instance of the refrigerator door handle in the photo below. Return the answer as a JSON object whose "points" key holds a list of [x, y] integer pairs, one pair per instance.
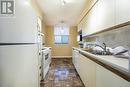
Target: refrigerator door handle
{"points": [[1, 44]]}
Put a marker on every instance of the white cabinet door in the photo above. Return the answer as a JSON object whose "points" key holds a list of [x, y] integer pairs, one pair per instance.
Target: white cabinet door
{"points": [[75, 59], [73, 56], [100, 17], [106, 12], [89, 22], [84, 26], [124, 83], [92, 21], [87, 71], [19, 66], [122, 11], [105, 78]]}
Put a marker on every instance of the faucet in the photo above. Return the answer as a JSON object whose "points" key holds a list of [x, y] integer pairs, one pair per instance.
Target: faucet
{"points": [[103, 47]]}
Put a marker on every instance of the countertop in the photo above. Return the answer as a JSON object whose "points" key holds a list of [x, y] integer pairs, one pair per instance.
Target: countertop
{"points": [[119, 66], [46, 48]]}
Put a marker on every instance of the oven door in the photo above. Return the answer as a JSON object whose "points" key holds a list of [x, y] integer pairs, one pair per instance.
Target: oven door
{"points": [[42, 66], [46, 59]]}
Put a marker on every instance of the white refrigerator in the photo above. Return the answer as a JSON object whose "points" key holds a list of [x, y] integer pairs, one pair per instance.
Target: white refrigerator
{"points": [[19, 48]]}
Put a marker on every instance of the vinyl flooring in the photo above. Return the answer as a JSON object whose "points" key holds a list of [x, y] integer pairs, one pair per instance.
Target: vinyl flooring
{"points": [[62, 73]]}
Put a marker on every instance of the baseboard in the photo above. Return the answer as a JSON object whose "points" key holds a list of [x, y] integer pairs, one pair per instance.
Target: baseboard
{"points": [[61, 56]]}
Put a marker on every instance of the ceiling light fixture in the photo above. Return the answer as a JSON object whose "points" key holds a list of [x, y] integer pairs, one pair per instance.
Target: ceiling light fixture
{"points": [[63, 2], [27, 2]]}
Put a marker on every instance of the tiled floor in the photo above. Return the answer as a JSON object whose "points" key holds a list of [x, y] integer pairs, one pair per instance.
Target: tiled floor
{"points": [[62, 74]]}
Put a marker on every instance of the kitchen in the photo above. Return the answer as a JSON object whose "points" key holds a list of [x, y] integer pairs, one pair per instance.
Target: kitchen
{"points": [[64, 43]]}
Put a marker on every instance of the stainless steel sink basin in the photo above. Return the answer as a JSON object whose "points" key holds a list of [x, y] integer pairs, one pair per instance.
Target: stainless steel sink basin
{"points": [[99, 52]]}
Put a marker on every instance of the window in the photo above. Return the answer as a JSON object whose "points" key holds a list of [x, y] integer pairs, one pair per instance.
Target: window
{"points": [[61, 34]]}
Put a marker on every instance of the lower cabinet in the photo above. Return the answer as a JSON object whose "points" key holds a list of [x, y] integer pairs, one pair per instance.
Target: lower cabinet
{"points": [[105, 78], [87, 71], [75, 59], [94, 75]]}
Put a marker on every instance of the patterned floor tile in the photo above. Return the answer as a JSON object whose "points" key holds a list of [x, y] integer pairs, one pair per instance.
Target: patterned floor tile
{"points": [[62, 74]]}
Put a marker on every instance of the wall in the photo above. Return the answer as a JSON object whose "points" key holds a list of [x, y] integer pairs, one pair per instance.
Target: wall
{"points": [[36, 7], [61, 50], [114, 38], [119, 37]]}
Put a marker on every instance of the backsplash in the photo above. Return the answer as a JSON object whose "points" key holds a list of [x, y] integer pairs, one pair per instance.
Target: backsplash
{"points": [[114, 38]]}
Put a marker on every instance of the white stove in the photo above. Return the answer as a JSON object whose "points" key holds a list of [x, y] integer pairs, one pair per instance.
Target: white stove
{"points": [[45, 61]]}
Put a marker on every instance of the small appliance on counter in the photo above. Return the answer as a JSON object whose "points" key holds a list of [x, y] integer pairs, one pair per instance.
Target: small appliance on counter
{"points": [[79, 39], [81, 44]]}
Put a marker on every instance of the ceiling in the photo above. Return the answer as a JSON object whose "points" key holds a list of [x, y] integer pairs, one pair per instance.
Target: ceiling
{"points": [[55, 12]]}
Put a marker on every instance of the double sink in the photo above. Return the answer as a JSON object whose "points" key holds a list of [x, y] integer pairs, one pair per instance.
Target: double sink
{"points": [[98, 52], [107, 53]]}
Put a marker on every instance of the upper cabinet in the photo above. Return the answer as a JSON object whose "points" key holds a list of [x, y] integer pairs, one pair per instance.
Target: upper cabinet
{"points": [[105, 14], [122, 11], [84, 26], [91, 22]]}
